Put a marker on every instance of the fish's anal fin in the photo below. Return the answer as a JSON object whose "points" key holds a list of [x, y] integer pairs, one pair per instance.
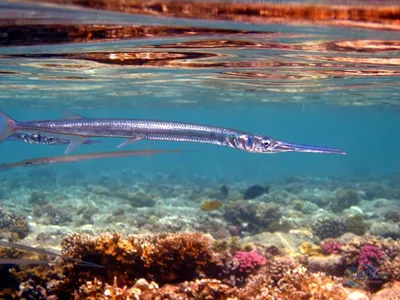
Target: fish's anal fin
{"points": [[74, 143], [69, 115], [127, 142]]}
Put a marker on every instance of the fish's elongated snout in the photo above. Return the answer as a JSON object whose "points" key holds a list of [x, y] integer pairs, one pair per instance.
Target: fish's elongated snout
{"points": [[282, 146]]}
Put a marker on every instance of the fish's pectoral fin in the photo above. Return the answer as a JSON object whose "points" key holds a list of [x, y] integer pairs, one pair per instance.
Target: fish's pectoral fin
{"points": [[75, 142], [127, 142], [69, 115]]}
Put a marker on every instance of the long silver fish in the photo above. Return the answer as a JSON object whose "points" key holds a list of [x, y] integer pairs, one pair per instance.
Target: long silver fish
{"points": [[82, 157], [40, 139], [77, 129]]}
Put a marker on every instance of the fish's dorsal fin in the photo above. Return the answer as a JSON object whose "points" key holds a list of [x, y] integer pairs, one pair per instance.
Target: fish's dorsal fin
{"points": [[69, 115]]}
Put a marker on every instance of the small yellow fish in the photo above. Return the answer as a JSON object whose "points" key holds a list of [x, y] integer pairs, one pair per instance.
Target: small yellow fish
{"points": [[211, 205]]}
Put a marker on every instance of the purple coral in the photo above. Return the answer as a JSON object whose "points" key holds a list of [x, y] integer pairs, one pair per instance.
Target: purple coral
{"points": [[249, 261], [369, 255], [331, 247]]}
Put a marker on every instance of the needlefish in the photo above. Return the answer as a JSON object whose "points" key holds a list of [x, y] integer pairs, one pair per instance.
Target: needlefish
{"points": [[78, 129], [82, 157], [40, 139]]}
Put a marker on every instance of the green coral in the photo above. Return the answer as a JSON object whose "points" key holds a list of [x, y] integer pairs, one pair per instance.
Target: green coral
{"points": [[345, 199], [356, 224], [297, 204]]}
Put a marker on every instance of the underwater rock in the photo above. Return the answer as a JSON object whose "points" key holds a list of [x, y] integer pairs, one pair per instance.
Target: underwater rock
{"points": [[217, 228], [356, 224], [252, 216], [255, 191], [309, 207], [12, 227], [345, 199], [137, 199], [385, 229], [390, 293], [354, 210], [50, 214], [280, 240], [393, 215], [375, 190], [357, 295], [88, 212], [331, 265], [329, 227], [37, 197]]}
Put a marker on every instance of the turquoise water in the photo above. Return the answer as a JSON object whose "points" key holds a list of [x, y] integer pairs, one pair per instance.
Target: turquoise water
{"points": [[305, 103]]}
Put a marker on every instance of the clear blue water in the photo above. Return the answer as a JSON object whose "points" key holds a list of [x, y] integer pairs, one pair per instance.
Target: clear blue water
{"points": [[333, 103]]}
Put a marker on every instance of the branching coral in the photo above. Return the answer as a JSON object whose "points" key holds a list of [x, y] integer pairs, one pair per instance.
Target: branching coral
{"points": [[391, 269], [331, 246], [12, 227], [97, 290], [249, 262], [165, 258], [300, 284], [370, 255], [279, 266], [329, 227]]}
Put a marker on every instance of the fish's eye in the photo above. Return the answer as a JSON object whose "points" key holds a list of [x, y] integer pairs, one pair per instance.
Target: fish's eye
{"points": [[28, 163], [267, 143]]}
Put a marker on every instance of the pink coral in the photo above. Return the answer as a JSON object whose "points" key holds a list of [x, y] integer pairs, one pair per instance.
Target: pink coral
{"points": [[249, 261], [331, 247], [369, 255]]}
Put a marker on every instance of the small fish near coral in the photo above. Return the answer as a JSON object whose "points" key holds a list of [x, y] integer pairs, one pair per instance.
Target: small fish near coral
{"points": [[211, 205], [255, 191]]}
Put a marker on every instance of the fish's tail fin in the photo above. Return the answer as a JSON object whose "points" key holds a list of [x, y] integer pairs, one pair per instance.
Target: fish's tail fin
{"points": [[6, 126]]}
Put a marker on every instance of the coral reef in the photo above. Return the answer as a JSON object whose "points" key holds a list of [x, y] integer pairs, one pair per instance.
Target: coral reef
{"points": [[136, 198], [388, 293], [12, 227], [370, 255], [248, 262], [356, 224], [164, 258], [51, 214], [345, 199], [329, 227], [252, 217], [330, 246], [151, 239]]}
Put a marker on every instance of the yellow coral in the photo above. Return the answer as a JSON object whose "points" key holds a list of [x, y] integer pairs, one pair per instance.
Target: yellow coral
{"points": [[310, 249]]}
